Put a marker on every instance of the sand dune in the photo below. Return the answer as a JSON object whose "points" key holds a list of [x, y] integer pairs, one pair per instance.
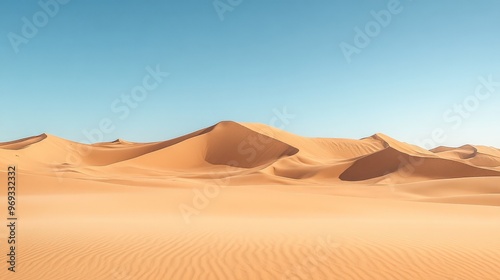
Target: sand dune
{"points": [[408, 167], [475, 155], [226, 143], [248, 201], [22, 143]]}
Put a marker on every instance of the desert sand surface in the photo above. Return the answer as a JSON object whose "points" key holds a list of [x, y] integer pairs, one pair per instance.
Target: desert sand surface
{"points": [[248, 201]]}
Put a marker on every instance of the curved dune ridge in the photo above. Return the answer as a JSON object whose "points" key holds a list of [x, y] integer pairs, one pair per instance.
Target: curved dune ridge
{"points": [[249, 201], [266, 150], [22, 143], [406, 163]]}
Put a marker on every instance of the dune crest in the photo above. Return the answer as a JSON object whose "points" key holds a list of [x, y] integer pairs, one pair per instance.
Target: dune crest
{"points": [[263, 149], [23, 143]]}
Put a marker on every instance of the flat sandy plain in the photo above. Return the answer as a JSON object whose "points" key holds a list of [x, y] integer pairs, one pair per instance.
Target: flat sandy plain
{"points": [[247, 201]]}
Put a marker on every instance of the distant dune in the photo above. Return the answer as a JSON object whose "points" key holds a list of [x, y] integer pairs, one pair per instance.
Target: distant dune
{"points": [[248, 201]]}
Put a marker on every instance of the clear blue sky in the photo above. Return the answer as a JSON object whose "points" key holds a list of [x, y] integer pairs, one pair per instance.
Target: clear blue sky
{"points": [[263, 55]]}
